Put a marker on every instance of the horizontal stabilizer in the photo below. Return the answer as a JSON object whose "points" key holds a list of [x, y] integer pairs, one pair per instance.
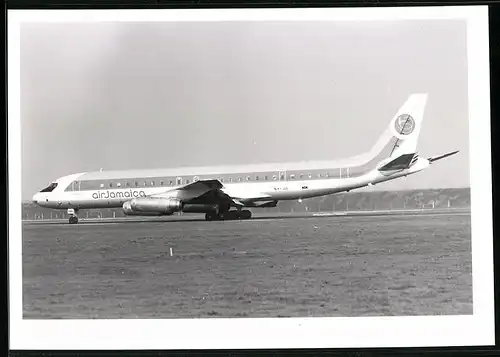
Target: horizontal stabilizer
{"points": [[400, 163], [439, 157]]}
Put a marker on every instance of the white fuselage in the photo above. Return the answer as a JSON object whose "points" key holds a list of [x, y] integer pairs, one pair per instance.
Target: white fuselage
{"points": [[247, 191]]}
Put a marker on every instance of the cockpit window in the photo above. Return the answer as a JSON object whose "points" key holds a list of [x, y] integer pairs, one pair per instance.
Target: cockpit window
{"points": [[50, 188]]}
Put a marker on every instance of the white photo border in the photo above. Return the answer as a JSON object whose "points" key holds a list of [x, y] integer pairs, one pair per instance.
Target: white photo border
{"points": [[341, 332]]}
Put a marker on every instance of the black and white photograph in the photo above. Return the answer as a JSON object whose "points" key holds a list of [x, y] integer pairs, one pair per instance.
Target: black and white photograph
{"points": [[259, 178]]}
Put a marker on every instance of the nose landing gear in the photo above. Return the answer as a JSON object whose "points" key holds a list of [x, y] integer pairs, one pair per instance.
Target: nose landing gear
{"points": [[73, 218]]}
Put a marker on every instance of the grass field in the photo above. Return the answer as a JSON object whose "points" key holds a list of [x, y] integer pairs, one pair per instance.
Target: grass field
{"points": [[314, 266]]}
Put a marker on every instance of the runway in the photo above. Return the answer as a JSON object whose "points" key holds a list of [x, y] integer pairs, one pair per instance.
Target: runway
{"points": [[256, 216], [353, 265]]}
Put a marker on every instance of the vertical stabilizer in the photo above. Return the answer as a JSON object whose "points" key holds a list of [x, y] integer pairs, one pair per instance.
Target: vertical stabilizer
{"points": [[406, 125], [404, 130], [396, 148], [400, 138]]}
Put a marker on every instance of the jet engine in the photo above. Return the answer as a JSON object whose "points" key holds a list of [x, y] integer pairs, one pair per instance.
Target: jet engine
{"points": [[127, 209], [152, 206]]}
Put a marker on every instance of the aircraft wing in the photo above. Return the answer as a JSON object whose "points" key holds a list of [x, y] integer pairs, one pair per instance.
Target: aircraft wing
{"points": [[198, 188], [206, 192], [192, 190]]}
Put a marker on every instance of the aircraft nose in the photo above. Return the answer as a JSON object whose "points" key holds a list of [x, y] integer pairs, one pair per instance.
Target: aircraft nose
{"points": [[36, 198]]}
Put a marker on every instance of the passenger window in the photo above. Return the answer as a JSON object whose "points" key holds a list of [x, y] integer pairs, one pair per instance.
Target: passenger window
{"points": [[127, 184], [248, 178], [310, 176], [161, 183], [301, 176], [256, 178], [110, 184], [171, 183], [187, 181], [282, 177], [230, 179], [145, 183], [292, 176], [136, 183], [327, 174], [118, 185], [274, 177], [152, 183], [239, 179], [101, 185]]}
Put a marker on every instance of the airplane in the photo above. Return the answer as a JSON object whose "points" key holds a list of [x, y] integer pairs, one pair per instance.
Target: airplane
{"points": [[222, 193]]}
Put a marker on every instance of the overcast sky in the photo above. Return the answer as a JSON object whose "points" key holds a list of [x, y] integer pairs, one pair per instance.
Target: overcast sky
{"points": [[146, 95]]}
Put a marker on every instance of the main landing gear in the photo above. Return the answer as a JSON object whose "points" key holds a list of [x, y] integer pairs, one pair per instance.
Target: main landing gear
{"points": [[228, 215], [73, 218]]}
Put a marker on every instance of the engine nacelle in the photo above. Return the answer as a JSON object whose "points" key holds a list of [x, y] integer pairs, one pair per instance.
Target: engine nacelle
{"points": [[152, 206], [127, 209]]}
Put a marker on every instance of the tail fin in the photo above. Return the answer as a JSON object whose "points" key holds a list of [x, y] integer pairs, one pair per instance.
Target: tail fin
{"points": [[397, 148], [406, 125]]}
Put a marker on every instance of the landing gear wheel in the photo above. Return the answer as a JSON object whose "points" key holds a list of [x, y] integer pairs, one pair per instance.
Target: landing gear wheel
{"points": [[231, 215], [210, 216], [228, 215], [245, 214], [73, 218], [222, 216]]}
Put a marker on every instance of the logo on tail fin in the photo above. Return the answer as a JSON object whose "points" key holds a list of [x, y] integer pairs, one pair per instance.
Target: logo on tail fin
{"points": [[404, 124]]}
